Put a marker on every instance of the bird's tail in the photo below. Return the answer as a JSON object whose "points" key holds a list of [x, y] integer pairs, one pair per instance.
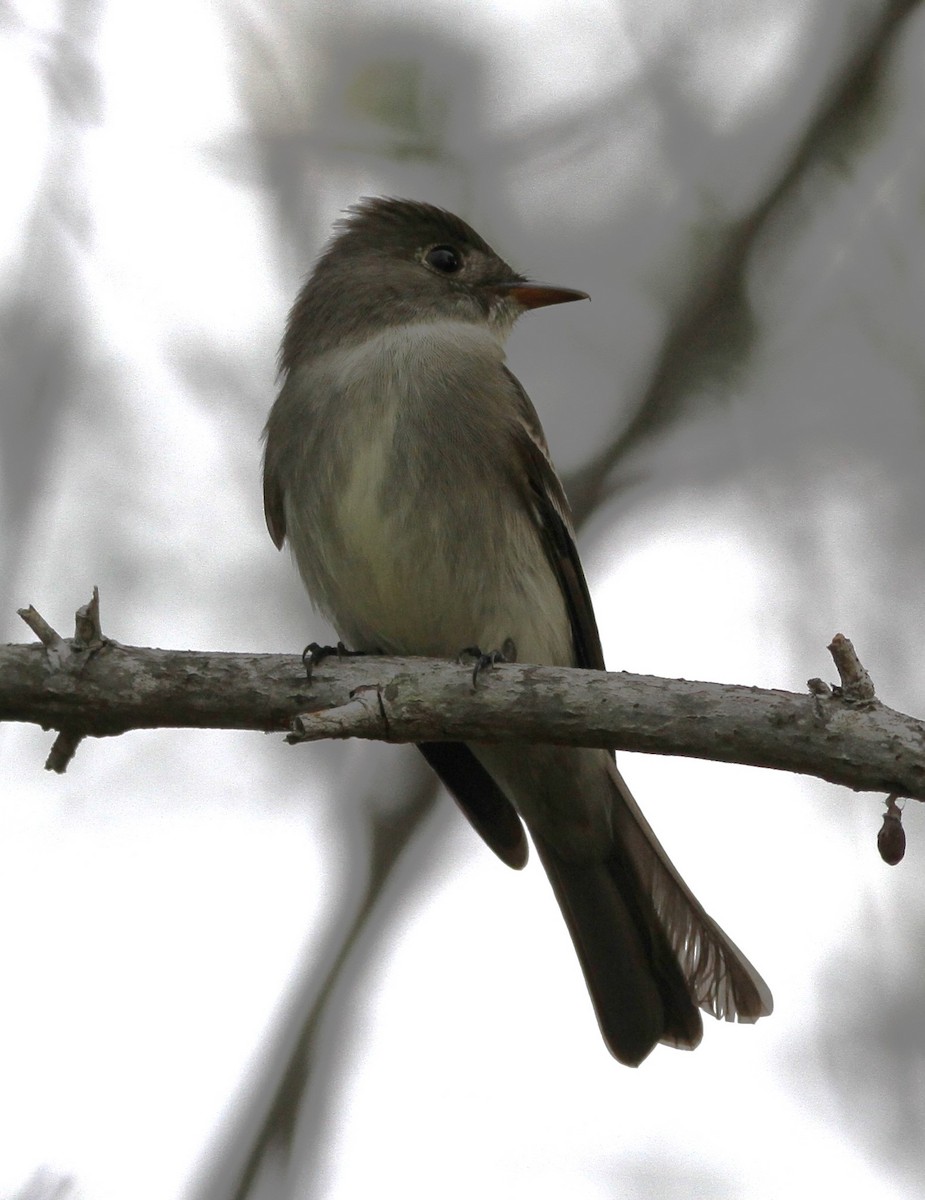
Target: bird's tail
{"points": [[650, 954]]}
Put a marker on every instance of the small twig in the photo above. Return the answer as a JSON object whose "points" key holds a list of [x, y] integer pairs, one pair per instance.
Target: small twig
{"points": [[50, 638], [363, 715], [67, 656], [857, 687], [62, 751], [88, 635]]}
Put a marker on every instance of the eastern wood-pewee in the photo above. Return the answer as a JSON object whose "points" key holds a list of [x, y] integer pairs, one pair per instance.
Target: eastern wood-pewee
{"points": [[409, 471]]}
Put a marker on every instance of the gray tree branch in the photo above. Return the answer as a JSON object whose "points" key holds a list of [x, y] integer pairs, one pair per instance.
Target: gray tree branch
{"points": [[93, 686]]}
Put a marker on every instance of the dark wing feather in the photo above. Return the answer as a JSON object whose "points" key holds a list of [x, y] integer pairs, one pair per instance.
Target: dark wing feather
{"points": [[490, 812], [273, 499], [546, 498]]}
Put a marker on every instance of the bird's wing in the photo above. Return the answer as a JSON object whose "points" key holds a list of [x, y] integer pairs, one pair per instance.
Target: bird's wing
{"points": [[487, 808], [719, 977], [544, 495]]}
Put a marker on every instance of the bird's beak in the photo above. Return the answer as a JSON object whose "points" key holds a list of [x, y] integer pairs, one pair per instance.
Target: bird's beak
{"points": [[537, 295]]}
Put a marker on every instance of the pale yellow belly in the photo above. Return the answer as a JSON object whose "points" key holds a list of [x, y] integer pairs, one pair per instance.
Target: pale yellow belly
{"points": [[413, 578]]}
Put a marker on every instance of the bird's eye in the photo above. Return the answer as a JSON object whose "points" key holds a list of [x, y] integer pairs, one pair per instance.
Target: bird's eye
{"points": [[444, 259]]}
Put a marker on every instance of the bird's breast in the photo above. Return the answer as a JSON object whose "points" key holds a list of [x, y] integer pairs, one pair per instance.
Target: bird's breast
{"points": [[424, 545]]}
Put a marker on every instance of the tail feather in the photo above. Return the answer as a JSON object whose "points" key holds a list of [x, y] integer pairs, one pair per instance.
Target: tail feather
{"points": [[650, 954], [639, 994], [721, 979]]}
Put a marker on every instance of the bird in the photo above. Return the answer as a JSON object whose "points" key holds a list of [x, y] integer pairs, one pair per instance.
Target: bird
{"points": [[409, 472]]}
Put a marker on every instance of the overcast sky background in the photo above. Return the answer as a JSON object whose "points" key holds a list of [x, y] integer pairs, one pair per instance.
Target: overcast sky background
{"points": [[739, 186]]}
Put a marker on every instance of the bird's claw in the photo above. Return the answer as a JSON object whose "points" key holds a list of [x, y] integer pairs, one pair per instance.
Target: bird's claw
{"points": [[483, 661], [314, 653]]}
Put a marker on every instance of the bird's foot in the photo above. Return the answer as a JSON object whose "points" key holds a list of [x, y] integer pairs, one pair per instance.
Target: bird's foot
{"points": [[314, 653], [483, 661]]}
